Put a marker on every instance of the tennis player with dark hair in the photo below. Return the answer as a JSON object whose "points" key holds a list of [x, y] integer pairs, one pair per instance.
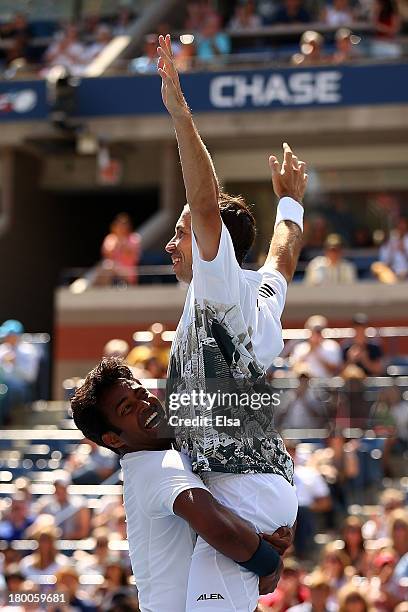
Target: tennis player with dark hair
{"points": [[229, 333], [114, 410]]}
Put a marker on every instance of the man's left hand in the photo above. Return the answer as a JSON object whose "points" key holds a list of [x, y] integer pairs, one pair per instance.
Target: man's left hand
{"points": [[281, 540]]}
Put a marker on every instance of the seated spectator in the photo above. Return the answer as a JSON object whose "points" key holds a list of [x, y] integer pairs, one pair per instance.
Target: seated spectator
{"points": [[17, 34], [245, 17], [331, 268], [381, 584], [266, 9], [90, 463], [46, 560], [377, 526], [334, 563], [345, 52], [197, 12], [19, 365], [354, 544], [353, 599], [320, 590], [337, 14], [211, 42], [387, 23], [76, 525], [103, 37], [393, 264], [123, 21], [67, 51], [300, 408], [147, 62], [398, 530], [387, 19], [399, 586], [313, 498], [68, 584], [17, 520], [156, 348], [290, 590], [311, 45], [321, 356], [362, 351], [116, 348], [121, 252], [292, 11]]}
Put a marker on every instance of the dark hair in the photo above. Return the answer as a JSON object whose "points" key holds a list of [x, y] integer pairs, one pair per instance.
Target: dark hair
{"points": [[387, 9], [240, 223], [86, 411]]}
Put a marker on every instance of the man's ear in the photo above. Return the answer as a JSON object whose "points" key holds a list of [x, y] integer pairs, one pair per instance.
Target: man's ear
{"points": [[111, 439]]}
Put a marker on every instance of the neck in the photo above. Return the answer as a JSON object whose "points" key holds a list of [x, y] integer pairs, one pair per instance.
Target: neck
{"points": [[164, 444]]}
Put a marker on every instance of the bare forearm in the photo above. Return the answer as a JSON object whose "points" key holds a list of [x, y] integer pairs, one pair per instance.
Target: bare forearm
{"points": [[230, 535], [199, 175], [285, 248]]}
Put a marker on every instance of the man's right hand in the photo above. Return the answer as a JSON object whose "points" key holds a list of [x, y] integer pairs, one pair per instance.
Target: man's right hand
{"points": [[172, 94], [290, 179]]}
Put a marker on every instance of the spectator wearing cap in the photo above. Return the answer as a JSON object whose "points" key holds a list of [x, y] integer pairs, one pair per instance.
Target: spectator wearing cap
{"points": [[331, 268], [362, 351], [46, 560], [346, 51], [71, 510], [398, 527], [381, 585], [320, 589], [311, 47], [289, 592], [321, 356], [19, 365]]}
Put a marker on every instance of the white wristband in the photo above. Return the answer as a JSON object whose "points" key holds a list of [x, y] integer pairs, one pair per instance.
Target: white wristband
{"points": [[289, 210]]}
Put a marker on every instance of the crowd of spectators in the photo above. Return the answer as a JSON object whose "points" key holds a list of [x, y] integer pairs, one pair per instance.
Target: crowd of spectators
{"points": [[212, 30], [350, 551]]}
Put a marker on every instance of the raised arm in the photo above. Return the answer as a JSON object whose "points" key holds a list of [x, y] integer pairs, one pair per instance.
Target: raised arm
{"points": [[200, 180], [231, 535], [290, 180]]}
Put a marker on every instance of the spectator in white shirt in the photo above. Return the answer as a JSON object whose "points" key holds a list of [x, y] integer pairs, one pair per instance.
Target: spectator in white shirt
{"points": [[19, 365], [321, 356], [331, 268], [338, 14], [67, 51], [394, 253]]}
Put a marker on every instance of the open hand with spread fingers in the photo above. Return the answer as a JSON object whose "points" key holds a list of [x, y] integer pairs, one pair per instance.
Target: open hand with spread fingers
{"points": [[172, 95], [290, 179]]}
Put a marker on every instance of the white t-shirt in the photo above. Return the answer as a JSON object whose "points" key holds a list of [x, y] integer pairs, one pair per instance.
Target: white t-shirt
{"points": [[310, 485], [229, 333], [329, 350], [160, 543]]}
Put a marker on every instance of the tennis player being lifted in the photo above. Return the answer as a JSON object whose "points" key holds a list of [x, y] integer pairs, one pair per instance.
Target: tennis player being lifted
{"points": [[230, 329]]}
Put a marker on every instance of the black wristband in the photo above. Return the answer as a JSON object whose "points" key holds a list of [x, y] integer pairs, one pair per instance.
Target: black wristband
{"points": [[264, 561]]}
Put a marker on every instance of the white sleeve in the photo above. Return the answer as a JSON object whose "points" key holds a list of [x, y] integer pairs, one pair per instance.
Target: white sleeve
{"points": [[217, 280], [267, 337], [167, 483], [319, 486]]}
